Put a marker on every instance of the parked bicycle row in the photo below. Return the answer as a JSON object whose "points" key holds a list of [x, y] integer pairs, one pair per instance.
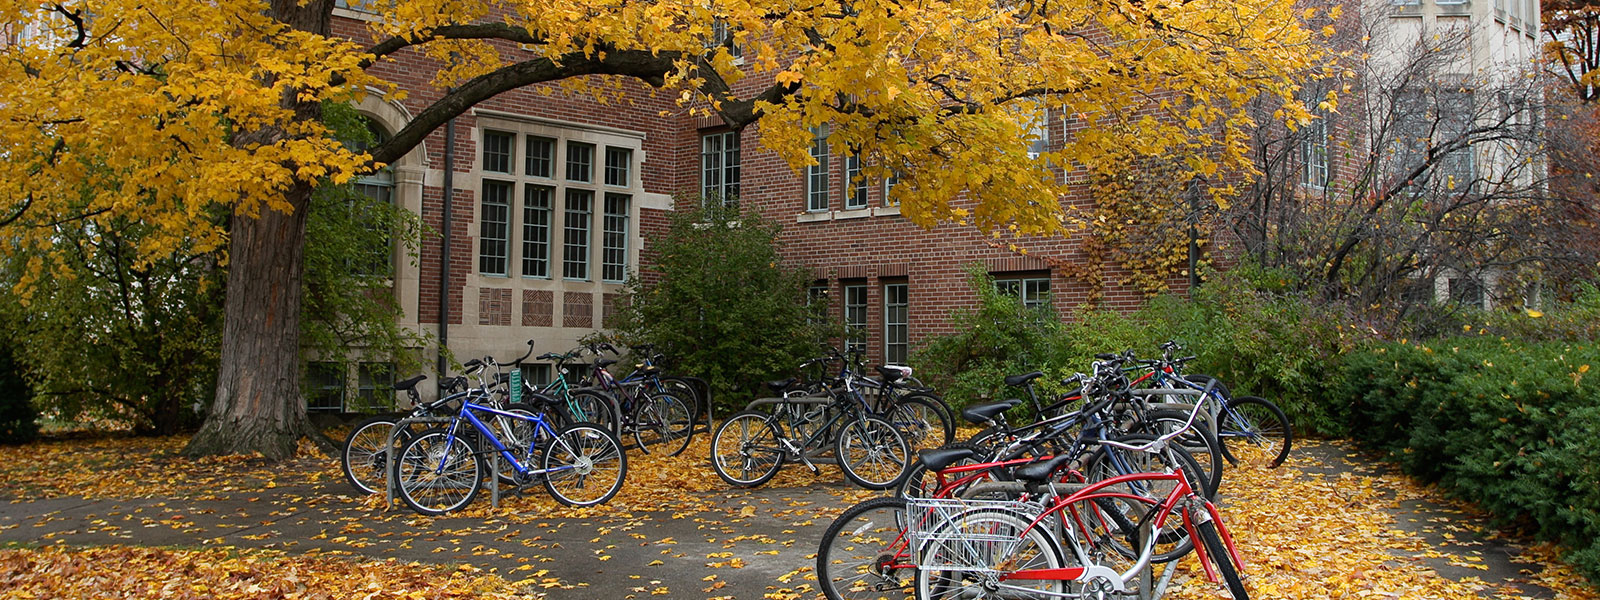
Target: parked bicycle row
{"points": [[565, 435], [1077, 500]]}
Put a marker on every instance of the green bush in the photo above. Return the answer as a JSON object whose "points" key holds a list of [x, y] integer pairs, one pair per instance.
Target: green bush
{"points": [[1508, 425], [998, 337]]}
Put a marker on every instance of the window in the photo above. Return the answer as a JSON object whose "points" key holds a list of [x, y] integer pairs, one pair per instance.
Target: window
{"points": [[535, 231], [896, 307], [889, 198], [497, 151], [856, 197], [1314, 151], [541, 157], [324, 386], [1455, 170], [618, 163], [575, 255], [580, 162], [614, 239], [1466, 291], [855, 317], [372, 259], [537, 375], [375, 387], [722, 36], [494, 227], [817, 175], [1038, 137], [719, 167], [1033, 291]]}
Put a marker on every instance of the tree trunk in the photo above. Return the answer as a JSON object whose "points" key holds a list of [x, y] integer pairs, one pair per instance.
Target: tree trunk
{"points": [[258, 407]]}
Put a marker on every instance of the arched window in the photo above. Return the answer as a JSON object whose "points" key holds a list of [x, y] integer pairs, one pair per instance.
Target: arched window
{"points": [[373, 259]]}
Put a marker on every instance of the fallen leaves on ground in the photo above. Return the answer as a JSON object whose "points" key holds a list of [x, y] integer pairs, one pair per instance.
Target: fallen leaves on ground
{"points": [[123, 466], [230, 574]]}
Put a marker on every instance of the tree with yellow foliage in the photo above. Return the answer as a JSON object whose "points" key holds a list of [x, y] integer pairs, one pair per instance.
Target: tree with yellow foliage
{"points": [[161, 111]]}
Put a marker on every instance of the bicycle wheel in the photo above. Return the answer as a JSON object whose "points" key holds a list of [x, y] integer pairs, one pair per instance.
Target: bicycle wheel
{"points": [[437, 472], [1255, 431], [872, 453], [1218, 553], [664, 421], [584, 465], [922, 422], [1172, 540], [590, 406], [864, 554], [746, 451], [967, 556], [1197, 441], [685, 391], [365, 457]]}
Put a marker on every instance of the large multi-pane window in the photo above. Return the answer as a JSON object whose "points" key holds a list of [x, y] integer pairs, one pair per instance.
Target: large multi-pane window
{"points": [[374, 386], [614, 239], [575, 253], [494, 227], [497, 151], [817, 174], [536, 231], [324, 386], [854, 184], [373, 259], [719, 167], [541, 157], [1032, 291], [896, 330], [619, 162], [855, 317], [1314, 151], [551, 206], [580, 162]]}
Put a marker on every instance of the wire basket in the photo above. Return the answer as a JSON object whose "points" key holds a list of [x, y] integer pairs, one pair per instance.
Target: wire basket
{"points": [[969, 535]]}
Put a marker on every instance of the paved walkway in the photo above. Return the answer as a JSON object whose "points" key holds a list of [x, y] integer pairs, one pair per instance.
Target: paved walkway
{"points": [[738, 544]]}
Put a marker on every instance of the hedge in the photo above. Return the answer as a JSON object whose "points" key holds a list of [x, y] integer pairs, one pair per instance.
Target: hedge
{"points": [[1509, 425]]}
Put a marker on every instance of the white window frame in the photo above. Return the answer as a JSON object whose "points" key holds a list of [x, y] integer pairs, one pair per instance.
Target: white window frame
{"points": [[720, 158], [896, 332], [817, 185], [855, 333]]}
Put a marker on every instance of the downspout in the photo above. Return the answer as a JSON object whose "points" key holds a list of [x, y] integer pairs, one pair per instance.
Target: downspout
{"points": [[444, 253]]}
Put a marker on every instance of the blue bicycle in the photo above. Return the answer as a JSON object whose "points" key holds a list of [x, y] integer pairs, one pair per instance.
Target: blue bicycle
{"points": [[442, 469]]}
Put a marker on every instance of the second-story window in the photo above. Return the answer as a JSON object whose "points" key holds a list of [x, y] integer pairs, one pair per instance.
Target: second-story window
{"points": [[719, 167], [575, 253], [855, 184], [494, 229], [536, 231], [580, 162], [497, 151], [619, 165], [817, 175]]}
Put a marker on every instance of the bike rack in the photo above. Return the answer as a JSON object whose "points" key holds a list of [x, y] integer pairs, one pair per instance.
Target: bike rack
{"points": [[1210, 414], [389, 483]]}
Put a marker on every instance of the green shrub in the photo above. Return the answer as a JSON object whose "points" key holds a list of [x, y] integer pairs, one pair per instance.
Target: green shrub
{"points": [[998, 337], [1505, 424]]}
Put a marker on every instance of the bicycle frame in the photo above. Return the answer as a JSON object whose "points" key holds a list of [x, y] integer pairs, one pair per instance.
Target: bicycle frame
{"points": [[466, 413]]}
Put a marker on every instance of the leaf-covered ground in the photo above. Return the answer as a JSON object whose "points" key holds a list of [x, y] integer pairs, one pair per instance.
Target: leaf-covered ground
{"points": [[1327, 525]]}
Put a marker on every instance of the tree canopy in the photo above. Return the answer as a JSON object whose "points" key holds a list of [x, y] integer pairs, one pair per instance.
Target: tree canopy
{"points": [[160, 112]]}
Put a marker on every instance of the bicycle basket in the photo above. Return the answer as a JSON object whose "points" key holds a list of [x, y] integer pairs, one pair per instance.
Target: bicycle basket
{"points": [[970, 535]]}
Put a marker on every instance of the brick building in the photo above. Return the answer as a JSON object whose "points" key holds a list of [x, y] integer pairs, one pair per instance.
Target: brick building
{"points": [[553, 196]]}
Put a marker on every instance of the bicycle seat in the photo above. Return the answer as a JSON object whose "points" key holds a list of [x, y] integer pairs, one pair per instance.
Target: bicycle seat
{"points": [[779, 386], [1017, 380], [1042, 470], [984, 413], [891, 373], [604, 362], [409, 383], [938, 459]]}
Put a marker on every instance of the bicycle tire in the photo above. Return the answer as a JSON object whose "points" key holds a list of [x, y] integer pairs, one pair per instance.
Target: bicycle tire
{"points": [[685, 391], [592, 406], [866, 449], [1033, 550], [431, 469], [664, 421], [1174, 538], [922, 422], [1258, 424], [856, 559], [582, 455], [364, 457], [1218, 553], [1198, 441], [745, 450]]}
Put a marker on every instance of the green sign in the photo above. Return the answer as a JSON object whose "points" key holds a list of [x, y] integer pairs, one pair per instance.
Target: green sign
{"points": [[516, 386]]}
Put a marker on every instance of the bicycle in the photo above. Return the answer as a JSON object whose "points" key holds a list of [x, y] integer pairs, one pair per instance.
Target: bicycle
{"points": [[1257, 428], [651, 417], [439, 471], [750, 447]]}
